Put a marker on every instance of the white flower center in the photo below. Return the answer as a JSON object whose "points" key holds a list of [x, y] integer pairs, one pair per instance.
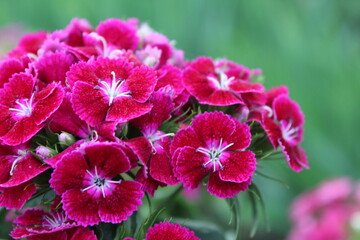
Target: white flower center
{"points": [[107, 52], [222, 82], [55, 220], [113, 89], [24, 106], [214, 154], [99, 182]]}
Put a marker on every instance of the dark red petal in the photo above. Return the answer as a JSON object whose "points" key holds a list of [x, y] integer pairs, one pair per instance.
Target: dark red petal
{"points": [[188, 167], [7, 68], [10, 197], [107, 158], [162, 108], [241, 137], [90, 104], [19, 86], [213, 125], [53, 67], [160, 164], [185, 137], [81, 207], [54, 160], [119, 33], [69, 172], [295, 156], [53, 236], [221, 97], [238, 167], [148, 183], [141, 147], [82, 71], [273, 131], [47, 102], [21, 131], [170, 75], [65, 119], [224, 189], [141, 83], [125, 108], [166, 231], [31, 217], [83, 234], [288, 110], [275, 92], [121, 204], [197, 84], [6, 120], [26, 169], [240, 86]]}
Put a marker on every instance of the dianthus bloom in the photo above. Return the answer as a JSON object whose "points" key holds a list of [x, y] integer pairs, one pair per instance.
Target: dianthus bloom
{"points": [[214, 145], [85, 177], [110, 90]]}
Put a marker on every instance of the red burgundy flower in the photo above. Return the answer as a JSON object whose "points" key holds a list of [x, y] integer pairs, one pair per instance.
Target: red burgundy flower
{"points": [[90, 194], [110, 90], [214, 145], [166, 230], [23, 110], [217, 84], [10, 197]]}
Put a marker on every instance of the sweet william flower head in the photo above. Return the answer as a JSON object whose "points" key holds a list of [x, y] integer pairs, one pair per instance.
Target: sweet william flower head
{"points": [[110, 90], [214, 145], [85, 177], [166, 230]]}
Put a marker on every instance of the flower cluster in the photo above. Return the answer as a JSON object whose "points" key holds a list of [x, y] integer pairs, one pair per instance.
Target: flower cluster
{"points": [[330, 211], [101, 116]]}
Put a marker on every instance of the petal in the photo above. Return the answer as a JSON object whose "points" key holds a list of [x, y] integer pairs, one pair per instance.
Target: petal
{"points": [[125, 108], [288, 110], [197, 84], [31, 217], [166, 230], [148, 183], [121, 204], [81, 207], [213, 125], [221, 97], [7, 68], [224, 189], [238, 167], [170, 75], [241, 137], [185, 137], [10, 197], [69, 172], [240, 86], [90, 104], [53, 67], [295, 156], [83, 234], [108, 158], [20, 86], [141, 147], [54, 160], [141, 83], [275, 92], [47, 102], [188, 167], [119, 33], [26, 169], [82, 71]]}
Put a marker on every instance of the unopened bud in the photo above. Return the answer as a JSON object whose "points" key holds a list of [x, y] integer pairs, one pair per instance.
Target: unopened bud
{"points": [[66, 139], [44, 152]]}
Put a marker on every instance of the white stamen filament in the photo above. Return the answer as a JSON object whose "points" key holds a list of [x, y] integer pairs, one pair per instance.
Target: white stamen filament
{"points": [[152, 140], [112, 90], [56, 219], [288, 131], [214, 154], [223, 82], [25, 108], [21, 155], [99, 182]]}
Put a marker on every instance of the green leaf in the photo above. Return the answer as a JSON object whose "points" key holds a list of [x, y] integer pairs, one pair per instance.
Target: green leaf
{"points": [[148, 223], [273, 179], [235, 209], [253, 189]]}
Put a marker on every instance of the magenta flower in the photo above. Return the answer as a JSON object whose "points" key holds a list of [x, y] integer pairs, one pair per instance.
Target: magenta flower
{"points": [[216, 84], [23, 111], [86, 178], [110, 90], [214, 145], [286, 129], [166, 230]]}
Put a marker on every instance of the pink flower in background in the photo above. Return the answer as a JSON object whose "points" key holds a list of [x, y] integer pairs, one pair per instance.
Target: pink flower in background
{"points": [[214, 145], [326, 212], [110, 90], [85, 177]]}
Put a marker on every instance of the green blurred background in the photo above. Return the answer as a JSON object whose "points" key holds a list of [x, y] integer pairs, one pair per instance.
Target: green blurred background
{"points": [[312, 46]]}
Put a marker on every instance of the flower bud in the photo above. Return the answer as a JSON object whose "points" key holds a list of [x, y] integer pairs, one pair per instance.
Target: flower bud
{"points": [[44, 152], [66, 139]]}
